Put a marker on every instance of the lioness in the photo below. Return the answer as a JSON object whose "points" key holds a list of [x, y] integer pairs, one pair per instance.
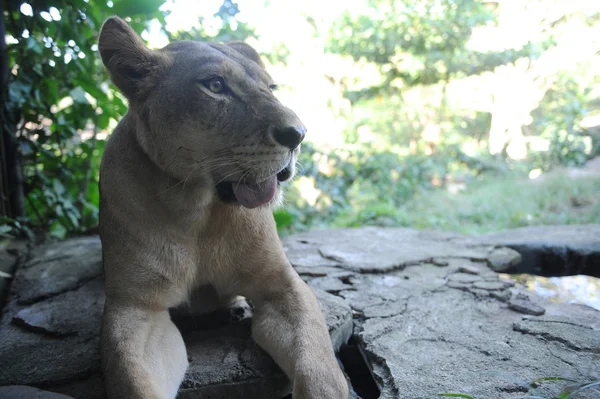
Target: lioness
{"points": [[188, 182]]}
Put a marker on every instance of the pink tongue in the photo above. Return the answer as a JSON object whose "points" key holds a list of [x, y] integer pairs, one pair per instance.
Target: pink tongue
{"points": [[254, 195]]}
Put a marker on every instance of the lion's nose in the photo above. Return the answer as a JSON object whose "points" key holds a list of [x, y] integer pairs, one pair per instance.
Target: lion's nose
{"points": [[290, 136]]}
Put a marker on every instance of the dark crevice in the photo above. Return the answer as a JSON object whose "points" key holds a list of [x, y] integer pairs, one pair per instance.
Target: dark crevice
{"points": [[514, 389], [359, 369], [554, 261], [346, 280]]}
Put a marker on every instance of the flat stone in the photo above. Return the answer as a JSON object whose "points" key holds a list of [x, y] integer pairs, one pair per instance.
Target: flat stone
{"points": [[489, 285], [423, 337], [372, 249], [425, 330], [479, 292], [440, 262], [459, 285], [503, 296], [58, 317], [369, 304], [578, 337], [469, 269], [329, 284], [525, 307], [57, 268], [464, 278], [503, 259], [25, 392], [552, 250]]}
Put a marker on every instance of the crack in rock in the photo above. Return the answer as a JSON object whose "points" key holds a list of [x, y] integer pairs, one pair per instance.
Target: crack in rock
{"points": [[381, 371], [577, 338], [57, 317]]}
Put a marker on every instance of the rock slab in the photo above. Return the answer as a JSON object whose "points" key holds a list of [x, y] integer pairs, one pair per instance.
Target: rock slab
{"points": [[426, 310], [438, 319]]}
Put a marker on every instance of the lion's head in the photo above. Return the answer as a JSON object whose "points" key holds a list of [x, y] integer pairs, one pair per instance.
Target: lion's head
{"points": [[206, 112]]}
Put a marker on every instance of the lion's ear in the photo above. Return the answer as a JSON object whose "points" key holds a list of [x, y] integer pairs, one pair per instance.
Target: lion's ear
{"points": [[131, 64], [247, 51]]}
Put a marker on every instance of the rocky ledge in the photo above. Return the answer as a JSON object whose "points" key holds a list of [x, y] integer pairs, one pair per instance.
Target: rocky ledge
{"points": [[414, 313]]}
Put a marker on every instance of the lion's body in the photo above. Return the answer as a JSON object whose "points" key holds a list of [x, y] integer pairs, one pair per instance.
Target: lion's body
{"points": [[167, 231]]}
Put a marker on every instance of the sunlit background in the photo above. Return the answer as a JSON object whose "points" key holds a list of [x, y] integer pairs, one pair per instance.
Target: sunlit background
{"points": [[465, 115]]}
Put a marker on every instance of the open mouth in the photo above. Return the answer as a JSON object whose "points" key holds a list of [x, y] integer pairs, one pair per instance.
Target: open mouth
{"points": [[285, 174], [252, 195]]}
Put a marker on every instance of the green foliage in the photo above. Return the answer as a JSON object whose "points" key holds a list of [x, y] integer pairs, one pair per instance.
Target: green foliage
{"points": [[60, 100], [557, 119], [283, 219], [229, 28], [61, 105], [10, 228], [417, 42], [360, 186]]}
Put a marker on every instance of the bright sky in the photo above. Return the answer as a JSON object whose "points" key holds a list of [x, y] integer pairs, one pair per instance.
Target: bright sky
{"points": [[275, 20]]}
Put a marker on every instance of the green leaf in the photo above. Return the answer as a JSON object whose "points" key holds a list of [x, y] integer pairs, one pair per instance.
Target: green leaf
{"points": [[283, 218], [34, 45], [58, 230], [78, 95], [91, 87], [58, 187], [103, 120], [51, 91], [128, 8]]}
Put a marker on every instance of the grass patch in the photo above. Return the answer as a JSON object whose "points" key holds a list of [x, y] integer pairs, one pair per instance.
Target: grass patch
{"points": [[506, 203]]}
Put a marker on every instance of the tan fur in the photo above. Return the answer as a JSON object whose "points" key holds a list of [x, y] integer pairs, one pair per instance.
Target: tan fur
{"points": [[165, 232]]}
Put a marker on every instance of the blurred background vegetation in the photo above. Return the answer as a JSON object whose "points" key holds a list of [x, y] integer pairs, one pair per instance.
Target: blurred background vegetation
{"points": [[469, 115]]}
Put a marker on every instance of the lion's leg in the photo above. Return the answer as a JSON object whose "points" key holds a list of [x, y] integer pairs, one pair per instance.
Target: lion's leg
{"points": [[289, 325], [143, 354]]}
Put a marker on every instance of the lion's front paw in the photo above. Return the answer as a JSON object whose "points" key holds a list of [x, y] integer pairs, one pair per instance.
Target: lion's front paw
{"points": [[239, 309], [328, 384]]}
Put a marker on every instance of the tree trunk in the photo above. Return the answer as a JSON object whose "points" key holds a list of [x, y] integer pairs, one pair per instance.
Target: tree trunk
{"points": [[12, 199]]}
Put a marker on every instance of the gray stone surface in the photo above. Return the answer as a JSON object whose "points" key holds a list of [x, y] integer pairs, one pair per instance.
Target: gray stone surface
{"points": [[429, 311], [55, 269], [50, 327], [24, 392], [552, 250], [376, 250], [430, 330]]}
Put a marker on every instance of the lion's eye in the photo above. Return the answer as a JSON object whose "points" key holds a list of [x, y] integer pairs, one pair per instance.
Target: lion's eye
{"points": [[216, 85]]}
